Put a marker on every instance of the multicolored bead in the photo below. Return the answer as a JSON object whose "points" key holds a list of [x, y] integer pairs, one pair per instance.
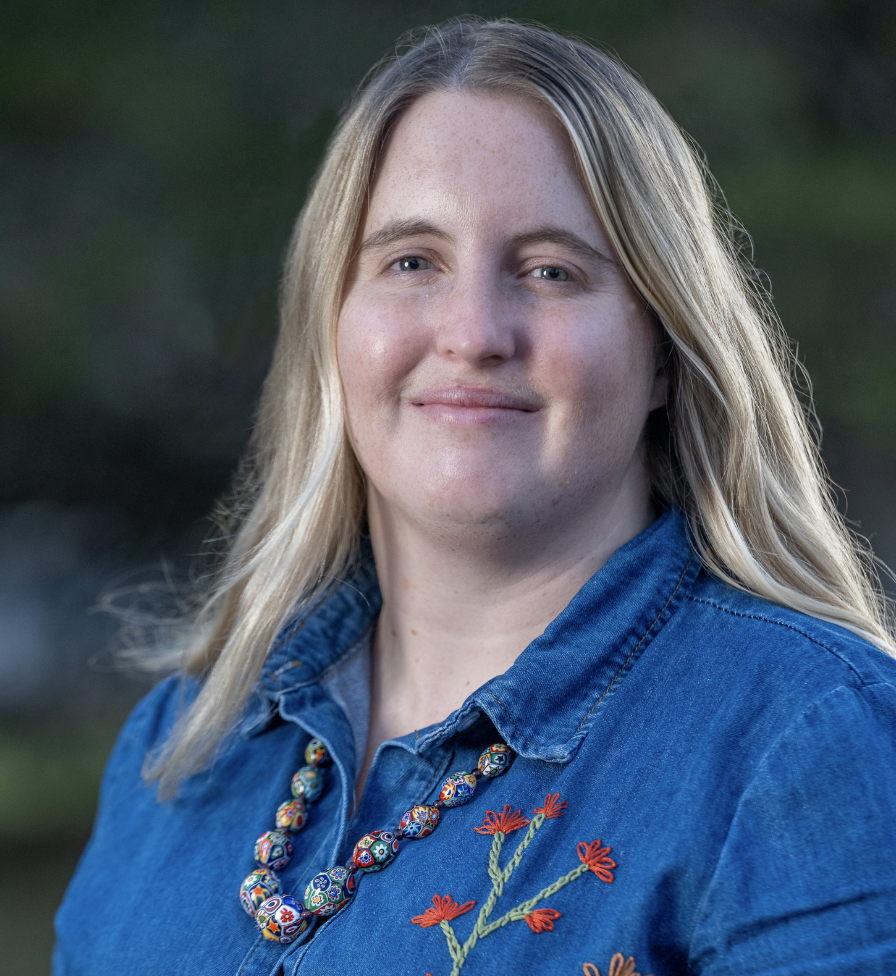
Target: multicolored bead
{"points": [[291, 815], [257, 887], [308, 783], [273, 849], [374, 851], [457, 789], [280, 919], [316, 753], [329, 891], [419, 821], [495, 760]]}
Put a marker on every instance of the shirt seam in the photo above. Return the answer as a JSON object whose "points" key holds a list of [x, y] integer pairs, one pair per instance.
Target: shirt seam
{"points": [[637, 646], [780, 623], [814, 704]]}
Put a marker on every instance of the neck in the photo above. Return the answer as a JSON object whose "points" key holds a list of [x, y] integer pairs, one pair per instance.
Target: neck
{"points": [[460, 606]]}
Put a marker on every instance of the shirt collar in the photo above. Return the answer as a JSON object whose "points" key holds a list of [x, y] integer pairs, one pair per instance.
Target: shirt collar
{"points": [[546, 702]]}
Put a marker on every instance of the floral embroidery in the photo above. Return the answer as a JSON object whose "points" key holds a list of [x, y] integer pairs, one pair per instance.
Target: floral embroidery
{"points": [[507, 822], [551, 807], [445, 909], [618, 967], [542, 919], [594, 856]]}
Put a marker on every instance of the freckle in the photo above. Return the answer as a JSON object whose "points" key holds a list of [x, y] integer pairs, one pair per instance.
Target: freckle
{"points": [[394, 634], [414, 632]]}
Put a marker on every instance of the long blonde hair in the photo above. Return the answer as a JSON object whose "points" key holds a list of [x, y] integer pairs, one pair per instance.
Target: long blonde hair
{"points": [[733, 451]]}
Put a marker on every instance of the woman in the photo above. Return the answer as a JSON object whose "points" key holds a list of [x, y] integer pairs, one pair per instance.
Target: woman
{"points": [[531, 495]]}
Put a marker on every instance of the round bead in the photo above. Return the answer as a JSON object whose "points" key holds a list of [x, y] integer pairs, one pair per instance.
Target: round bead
{"points": [[457, 789], [374, 851], [273, 849], [292, 815], [258, 886], [419, 821], [308, 783], [280, 919], [316, 753], [495, 759], [328, 891]]}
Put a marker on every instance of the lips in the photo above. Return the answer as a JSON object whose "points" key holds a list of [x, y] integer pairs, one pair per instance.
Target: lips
{"points": [[474, 405]]}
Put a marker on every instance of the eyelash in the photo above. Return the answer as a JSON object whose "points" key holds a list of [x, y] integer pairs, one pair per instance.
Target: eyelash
{"points": [[542, 271]]}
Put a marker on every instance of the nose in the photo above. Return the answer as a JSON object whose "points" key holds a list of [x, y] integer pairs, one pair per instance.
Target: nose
{"points": [[477, 324]]}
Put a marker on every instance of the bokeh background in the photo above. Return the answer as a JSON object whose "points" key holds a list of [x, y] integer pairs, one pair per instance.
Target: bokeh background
{"points": [[153, 156]]}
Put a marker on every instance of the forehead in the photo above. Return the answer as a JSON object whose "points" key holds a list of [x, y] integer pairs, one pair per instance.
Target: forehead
{"points": [[466, 156]]}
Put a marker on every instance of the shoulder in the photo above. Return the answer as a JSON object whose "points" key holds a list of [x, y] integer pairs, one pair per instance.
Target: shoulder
{"points": [[147, 728], [745, 628]]}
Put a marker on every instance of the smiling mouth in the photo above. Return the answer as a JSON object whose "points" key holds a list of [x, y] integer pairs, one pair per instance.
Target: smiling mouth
{"points": [[474, 405]]}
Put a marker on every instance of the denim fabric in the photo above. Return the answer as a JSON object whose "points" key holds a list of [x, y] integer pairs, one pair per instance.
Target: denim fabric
{"points": [[736, 757]]}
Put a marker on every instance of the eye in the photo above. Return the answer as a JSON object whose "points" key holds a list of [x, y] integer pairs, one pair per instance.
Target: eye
{"points": [[412, 264], [552, 274]]}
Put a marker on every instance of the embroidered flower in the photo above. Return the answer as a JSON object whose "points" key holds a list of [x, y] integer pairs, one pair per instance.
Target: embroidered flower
{"points": [[507, 822], [618, 967], [542, 919], [551, 807], [444, 910], [596, 858]]}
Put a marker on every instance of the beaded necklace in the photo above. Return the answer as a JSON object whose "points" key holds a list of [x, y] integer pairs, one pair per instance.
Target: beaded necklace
{"points": [[282, 918]]}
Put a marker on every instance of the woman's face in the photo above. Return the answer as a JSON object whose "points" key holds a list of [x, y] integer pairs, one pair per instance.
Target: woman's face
{"points": [[497, 366]]}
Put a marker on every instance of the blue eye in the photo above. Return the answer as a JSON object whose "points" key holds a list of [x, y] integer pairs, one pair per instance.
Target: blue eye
{"points": [[552, 274], [413, 264]]}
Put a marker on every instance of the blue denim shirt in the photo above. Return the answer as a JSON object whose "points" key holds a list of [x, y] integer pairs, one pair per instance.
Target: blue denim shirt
{"points": [[704, 783]]}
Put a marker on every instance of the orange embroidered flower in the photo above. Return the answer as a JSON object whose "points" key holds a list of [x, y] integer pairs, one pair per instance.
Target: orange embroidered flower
{"points": [[551, 807], [506, 822], [618, 967], [542, 919], [443, 911], [596, 858]]}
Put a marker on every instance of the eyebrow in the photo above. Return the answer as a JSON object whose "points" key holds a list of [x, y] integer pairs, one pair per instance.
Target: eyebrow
{"points": [[564, 238], [399, 230]]}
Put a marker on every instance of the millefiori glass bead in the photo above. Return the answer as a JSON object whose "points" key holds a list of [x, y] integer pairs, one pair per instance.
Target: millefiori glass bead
{"points": [[291, 815], [374, 851], [316, 753], [308, 783], [257, 887], [419, 821], [495, 760], [280, 919], [457, 789], [328, 891], [273, 849]]}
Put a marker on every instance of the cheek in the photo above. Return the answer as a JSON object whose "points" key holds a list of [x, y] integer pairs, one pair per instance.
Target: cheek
{"points": [[607, 378], [375, 354]]}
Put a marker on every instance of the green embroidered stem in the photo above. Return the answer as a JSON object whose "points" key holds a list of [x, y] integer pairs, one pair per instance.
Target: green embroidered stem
{"points": [[453, 945], [494, 871], [536, 824], [522, 910]]}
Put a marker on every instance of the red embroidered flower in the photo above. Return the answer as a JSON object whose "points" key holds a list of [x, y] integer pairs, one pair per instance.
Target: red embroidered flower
{"points": [[596, 858], [551, 807], [445, 909], [506, 822], [542, 919]]}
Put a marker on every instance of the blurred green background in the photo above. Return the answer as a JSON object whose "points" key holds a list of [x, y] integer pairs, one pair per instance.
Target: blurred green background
{"points": [[153, 157]]}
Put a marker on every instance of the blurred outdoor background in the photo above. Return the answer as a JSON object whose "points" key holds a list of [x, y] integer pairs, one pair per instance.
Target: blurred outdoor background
{"points": [[153, 156]]}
